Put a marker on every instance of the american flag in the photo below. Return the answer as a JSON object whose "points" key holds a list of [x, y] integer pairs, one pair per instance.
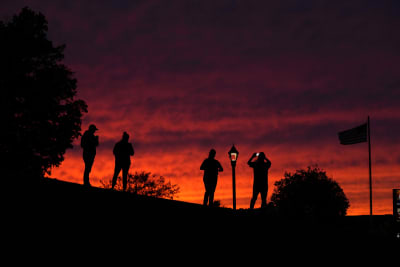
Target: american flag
{"points": [[354, 135]]}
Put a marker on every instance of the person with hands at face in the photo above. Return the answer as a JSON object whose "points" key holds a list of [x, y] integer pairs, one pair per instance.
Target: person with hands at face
{"points": [[260, 185]]}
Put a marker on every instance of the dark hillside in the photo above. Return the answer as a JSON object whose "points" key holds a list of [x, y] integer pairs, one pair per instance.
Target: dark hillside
{"points": [[65, 212]]}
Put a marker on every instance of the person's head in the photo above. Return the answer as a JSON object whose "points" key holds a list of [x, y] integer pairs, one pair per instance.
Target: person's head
{"points": [[125, 136], [261, 156], [212, 153], [92, 128]]}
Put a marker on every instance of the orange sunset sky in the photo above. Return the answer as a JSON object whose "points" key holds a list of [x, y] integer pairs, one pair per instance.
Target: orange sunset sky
{"points": [[283, 77]]}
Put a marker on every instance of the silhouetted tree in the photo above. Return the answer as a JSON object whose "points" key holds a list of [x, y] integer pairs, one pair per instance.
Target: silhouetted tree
{"points": [[145, 183], [309, 193], [39, 114]]}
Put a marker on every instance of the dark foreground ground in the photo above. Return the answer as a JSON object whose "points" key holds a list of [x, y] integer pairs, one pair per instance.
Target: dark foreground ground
{"points": [[59, 216]]}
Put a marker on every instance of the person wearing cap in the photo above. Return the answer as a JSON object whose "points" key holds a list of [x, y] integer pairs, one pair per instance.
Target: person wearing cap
{"points": [[123, 150], [211, 167], [89, 142]]}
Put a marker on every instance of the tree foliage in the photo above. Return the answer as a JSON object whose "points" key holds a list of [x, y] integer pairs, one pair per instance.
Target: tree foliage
{"points": [[39, 114], [309, 193], [145, 183]]}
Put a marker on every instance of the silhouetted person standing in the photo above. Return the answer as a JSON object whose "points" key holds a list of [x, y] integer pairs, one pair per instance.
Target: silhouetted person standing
{"points": [[89, 142], [123, 150], [211, 167], [260, 185]]}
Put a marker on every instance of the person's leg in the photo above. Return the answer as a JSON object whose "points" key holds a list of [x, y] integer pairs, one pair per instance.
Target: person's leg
{"points": [[264, 194], [253, 198], [205, 200], [86, 174], [125, 170], [211, 199], [117, 170], [88, 168], [207, 193], [213, 185]]}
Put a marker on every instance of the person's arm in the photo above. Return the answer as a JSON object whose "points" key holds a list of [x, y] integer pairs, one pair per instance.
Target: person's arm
{"points": [[251, 158], [131, 151], [268, 162], [115, 149], [83, 141], [96, 140], [203, 166], [220, 169]]}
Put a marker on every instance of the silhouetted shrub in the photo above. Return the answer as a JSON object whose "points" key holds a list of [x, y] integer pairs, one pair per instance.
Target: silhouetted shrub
{"points": [[309, 193], [39, 116], [145, 183]]}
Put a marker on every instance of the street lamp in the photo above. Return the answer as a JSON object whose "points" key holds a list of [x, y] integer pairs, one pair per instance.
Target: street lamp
{"points": [[233, 156]]}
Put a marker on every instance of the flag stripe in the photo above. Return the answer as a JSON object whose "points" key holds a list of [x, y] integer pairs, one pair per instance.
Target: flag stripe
{"points": [[354, 135]]}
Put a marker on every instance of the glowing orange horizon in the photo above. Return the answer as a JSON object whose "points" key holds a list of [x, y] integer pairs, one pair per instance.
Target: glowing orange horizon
{"points": [[182, 168]]}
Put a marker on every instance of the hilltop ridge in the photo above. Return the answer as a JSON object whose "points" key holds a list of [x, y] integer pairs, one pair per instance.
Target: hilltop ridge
{"points": [[67, 210]]}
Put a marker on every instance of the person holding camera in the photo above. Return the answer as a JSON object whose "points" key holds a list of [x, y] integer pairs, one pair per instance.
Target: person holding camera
{"points": [[260, 186], [89, 142]]}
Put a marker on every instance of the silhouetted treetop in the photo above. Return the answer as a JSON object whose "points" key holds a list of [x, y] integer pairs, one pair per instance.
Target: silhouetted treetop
{"points": [[39, 114], [308, 193]]}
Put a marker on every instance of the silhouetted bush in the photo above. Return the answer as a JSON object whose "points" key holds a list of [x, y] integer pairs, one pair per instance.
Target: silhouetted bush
{"points": [[145, 183], [309, 193], [217, 204], [38, 111]]}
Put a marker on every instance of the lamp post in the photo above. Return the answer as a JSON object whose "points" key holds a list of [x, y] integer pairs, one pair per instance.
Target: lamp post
{"points": [[233, 155]]}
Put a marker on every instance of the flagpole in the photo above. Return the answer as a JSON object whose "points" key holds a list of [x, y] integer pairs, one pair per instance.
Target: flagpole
{"points": [[370, 175]]}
